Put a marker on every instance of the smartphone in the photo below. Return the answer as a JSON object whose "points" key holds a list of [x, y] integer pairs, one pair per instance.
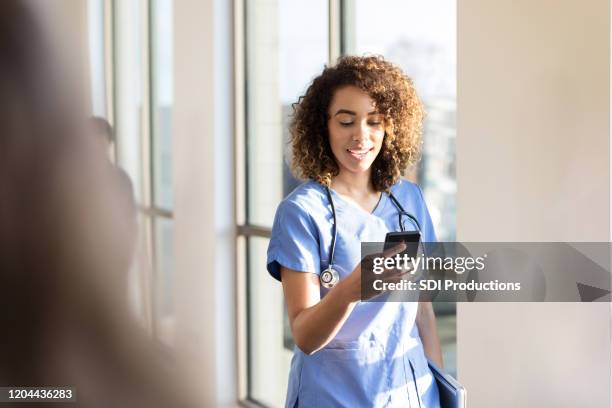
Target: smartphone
{"points": [[410, 238]]}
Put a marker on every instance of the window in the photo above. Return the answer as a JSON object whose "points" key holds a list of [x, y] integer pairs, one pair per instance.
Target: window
{"points": [[97, 67], [287, 43], [286, 46], [162, 74], [421, 38], [131, 73]]}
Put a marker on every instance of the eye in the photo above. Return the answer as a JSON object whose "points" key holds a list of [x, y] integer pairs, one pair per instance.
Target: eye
{"points": [[375, 120], [346, 124]]}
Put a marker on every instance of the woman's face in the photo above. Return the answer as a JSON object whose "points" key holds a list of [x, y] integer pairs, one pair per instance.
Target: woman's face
{"points": [[356, 129]]}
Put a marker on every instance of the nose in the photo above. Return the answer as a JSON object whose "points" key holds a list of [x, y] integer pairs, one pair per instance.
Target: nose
{"points": [[361, 132]]}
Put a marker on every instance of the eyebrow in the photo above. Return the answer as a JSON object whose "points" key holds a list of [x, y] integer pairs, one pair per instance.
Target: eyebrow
{"points": [[349, 112]]}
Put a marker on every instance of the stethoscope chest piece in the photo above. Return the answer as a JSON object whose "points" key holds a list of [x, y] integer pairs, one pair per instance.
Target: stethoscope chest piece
{"points": [[329, 278]]}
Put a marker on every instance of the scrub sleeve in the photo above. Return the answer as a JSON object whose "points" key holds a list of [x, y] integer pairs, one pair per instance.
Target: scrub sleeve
{"points": [[294, 242], [294, 245]]}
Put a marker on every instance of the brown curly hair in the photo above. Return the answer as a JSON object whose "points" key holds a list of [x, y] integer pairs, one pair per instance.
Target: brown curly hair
{"points": [[395, 98]]}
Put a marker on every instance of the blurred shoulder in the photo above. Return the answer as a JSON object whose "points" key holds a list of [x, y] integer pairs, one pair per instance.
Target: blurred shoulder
{"points": [[305, 198], [407, 191]]}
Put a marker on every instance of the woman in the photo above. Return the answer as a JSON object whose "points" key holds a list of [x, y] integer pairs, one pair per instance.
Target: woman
{"points": [[354, 132]]}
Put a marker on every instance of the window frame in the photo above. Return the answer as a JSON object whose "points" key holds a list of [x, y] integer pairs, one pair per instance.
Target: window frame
{"points": [[148, 211], [339, 16], [245, 229]]}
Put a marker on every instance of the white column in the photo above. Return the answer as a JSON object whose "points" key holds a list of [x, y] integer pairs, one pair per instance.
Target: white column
{"points": [[533, 149], [203, 206]]}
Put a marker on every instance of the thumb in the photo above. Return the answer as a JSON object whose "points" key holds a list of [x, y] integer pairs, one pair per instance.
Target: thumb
{"points": [[401, 246]]}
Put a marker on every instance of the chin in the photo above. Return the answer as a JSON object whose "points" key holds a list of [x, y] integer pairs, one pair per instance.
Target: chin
{"points": [[356, 169]]}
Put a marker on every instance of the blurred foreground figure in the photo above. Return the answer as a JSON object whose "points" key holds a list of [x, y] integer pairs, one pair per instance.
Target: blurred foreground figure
{"points": [[104, 136], [65, 244]]}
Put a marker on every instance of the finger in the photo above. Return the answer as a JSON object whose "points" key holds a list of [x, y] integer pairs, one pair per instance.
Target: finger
{"points": [[405, 272], [397, 279], [394, 250], [398, 274]]}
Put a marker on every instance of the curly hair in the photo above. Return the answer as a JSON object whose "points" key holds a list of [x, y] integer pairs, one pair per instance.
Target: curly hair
{"points": [[395, 98]]}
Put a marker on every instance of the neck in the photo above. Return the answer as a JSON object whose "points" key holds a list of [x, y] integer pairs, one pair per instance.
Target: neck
{"points": [[353, 184]]}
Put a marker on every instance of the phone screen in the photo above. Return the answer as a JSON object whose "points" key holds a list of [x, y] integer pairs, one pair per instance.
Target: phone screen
{"points": [[411, 239]]}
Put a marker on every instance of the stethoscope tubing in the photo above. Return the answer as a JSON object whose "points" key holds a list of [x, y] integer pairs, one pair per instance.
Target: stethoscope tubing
{"points": [[397, 204], [332, 249]]}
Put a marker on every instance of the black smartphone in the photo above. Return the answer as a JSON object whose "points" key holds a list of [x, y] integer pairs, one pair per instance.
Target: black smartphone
{"points": [[410, 238]]}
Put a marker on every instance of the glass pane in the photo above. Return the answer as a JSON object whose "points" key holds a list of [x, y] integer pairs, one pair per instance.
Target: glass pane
{"points": [[128, 89], [139, 276], [420, 37], [95, 18], [287, 45], [162, 88], [269, 360], [164, 261]]}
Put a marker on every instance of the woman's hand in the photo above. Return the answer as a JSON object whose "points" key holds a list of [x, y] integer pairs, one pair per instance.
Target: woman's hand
{"points": [[315, 321], [364, 277]]}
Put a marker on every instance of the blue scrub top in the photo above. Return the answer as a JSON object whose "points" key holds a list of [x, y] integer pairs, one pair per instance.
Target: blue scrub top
{"points": [[377, 357]]}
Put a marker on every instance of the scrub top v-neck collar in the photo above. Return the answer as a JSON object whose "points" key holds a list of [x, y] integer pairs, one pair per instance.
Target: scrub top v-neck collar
{"points": [[382, 201]]}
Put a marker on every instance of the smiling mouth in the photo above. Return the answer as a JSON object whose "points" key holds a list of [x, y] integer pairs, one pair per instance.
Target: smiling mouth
{"points": [[359, 154]]}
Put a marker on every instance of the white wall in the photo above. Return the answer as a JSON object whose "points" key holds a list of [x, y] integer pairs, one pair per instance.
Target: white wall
{"points": [[204, 206], [534, 165]]}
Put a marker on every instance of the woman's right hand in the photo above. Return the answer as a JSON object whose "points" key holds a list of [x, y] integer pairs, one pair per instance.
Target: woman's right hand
{"points": [[362, 276], [315, 321]]}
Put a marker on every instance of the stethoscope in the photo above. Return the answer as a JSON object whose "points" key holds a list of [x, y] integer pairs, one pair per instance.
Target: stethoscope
{"points": [[330, 277]]}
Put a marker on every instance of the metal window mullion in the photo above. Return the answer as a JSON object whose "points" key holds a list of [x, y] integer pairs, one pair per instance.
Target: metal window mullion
{"points": [[249, 230], [240, 133], [145, 156], [335, 30], [111, 11], [145, 118], [347, 27], [151, 98], [148, 287], [109, 62], [240, 143], [156, 212]]}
